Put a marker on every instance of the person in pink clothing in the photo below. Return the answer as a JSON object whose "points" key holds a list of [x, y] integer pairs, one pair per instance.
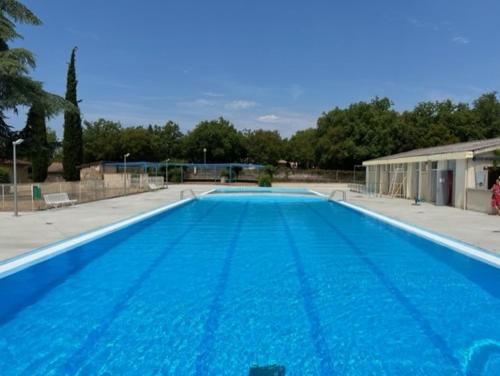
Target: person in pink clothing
{"points": [[495, 196]]}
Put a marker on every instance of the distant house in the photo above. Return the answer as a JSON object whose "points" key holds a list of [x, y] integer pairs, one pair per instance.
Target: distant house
{"points": [[23, 170], [457, 175], [97, 170], [55, 172]]}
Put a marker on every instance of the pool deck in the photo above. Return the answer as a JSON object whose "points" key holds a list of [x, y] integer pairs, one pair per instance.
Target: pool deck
{"points": [[34, 229]]}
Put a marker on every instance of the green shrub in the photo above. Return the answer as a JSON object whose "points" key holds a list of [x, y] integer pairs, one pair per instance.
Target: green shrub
{"points": [[265, 180], [269, 170], [174, 175], [4, 176]]}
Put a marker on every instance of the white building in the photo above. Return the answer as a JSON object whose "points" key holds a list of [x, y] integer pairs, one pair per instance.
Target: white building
{"points": [[458, 175]]}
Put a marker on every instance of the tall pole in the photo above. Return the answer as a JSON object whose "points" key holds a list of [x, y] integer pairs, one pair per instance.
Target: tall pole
{"points": [[125, 173], [204, 155], [14, 162], [166, 172]]}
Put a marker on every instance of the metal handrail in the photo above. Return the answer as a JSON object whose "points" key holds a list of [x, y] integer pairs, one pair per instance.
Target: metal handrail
{"points": [[332, 194], [187, 190]]}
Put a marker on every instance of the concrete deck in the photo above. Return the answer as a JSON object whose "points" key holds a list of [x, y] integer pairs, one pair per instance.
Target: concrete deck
{"points": [[34, 229]]}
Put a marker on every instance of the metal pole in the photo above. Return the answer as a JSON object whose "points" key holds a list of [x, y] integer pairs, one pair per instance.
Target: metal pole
{"points": [[14, 161], [419, 182], [125, 173], [204, 155], [166, 173]]}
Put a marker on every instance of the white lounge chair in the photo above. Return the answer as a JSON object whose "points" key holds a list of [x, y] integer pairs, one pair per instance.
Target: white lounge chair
{"points": [[153, 187], [58, 199]]}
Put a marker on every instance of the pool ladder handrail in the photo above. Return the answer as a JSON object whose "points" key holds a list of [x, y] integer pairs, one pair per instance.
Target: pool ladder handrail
{"points": [[332, 194], [181, 193]]}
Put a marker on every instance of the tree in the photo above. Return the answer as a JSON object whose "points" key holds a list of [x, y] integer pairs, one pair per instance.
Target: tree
{"points": [[301, 147], [487, 113], [220, 138], [138, 141], [54, 146], [362, 131], [16, 86], [168, 140], [72, 140], [102, 141], [262, 146], [36, 143]]}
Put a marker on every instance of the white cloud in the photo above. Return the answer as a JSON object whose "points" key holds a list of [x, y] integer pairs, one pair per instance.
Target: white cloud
{"points": [[212, 94], [296, 92], [197, 103], [240, 105], [460, 40], [268, 118], [423, 25]]}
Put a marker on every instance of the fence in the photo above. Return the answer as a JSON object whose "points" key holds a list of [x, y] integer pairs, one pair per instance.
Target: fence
{"points": [[30, 196], [319, 176]]}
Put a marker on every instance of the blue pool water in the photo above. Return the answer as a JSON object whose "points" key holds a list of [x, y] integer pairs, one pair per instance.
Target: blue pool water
{"points": [[228, 281]]}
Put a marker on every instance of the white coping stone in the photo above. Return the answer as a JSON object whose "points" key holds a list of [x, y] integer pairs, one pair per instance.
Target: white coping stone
{"points": [[455, 245], [38, 255]]}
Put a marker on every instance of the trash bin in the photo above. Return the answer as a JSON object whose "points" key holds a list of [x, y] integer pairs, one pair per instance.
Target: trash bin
{"points": [[37, 192]]}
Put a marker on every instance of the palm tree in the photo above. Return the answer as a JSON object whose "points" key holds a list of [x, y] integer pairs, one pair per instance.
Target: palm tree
{"points": [[17, 88]]}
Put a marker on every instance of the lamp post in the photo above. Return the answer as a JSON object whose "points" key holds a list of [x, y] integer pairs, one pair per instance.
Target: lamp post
{"points": [[125, 156], [14, 162], [166, 172], [204, 155]]}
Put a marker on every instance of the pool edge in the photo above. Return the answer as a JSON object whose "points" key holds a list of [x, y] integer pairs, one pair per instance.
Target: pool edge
{"points": [[472, 251], [17, 263]]}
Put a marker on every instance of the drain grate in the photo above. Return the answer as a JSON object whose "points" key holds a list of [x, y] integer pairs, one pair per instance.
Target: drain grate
{"points": [[272, 370]]}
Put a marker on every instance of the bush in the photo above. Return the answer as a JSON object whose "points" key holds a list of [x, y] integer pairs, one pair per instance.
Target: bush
{"points": [[174, 175], [4, 176], [269, 170], [265, 180]]}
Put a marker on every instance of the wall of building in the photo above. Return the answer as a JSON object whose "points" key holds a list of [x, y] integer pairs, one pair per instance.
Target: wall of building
{"points": [[459, 183], [92, 172], [479, 200], [23, 175]]}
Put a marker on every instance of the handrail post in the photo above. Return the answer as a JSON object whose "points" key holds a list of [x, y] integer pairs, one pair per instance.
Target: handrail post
{"points": [[332, 194], [187, 190]]}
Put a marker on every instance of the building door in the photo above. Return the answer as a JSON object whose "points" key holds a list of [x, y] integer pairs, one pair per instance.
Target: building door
{"points": [[450, 188], [444, 187]]}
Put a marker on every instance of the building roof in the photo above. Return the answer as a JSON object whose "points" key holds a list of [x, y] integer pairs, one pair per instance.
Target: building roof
{"points": [[55, 168], [19, 162], [461, 150]]}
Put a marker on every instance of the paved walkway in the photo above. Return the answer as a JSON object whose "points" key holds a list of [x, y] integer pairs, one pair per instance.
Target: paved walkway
{"points": [[34, 229]]}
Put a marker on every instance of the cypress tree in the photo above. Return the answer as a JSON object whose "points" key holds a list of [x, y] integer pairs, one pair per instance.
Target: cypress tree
{"points": [[38, 147], [72, 141]]}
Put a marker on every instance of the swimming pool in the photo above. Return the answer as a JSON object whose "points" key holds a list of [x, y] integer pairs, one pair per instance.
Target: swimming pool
{"points": [[226, 281]]}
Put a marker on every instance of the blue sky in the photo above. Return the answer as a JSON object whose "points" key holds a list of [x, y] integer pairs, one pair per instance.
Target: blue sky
{"points": [[261, 64]]}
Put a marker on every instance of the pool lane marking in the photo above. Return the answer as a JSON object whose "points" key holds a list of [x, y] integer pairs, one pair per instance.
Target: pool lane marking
{"points": [[205, 348], [73, 363], [417, 316], [316, 332], [464, 248]]}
